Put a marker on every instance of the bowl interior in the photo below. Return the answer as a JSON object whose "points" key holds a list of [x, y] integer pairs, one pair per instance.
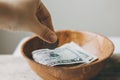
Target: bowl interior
{"points": [[91, 42]]}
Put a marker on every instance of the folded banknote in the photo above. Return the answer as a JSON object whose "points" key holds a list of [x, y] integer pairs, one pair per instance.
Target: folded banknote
{"points": [[69, 53]]}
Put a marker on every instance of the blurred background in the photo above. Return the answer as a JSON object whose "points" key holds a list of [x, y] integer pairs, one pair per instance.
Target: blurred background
{"points": [[100, 16]]}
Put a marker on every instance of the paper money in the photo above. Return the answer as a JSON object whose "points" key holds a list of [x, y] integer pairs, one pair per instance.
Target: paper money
{"points": [[69, 53]]}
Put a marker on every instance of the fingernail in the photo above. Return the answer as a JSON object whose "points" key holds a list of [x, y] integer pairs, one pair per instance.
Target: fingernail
{"points": [[52, 38]]}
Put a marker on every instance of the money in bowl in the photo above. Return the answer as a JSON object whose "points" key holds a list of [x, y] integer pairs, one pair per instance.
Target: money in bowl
{"points": [[93, 43]]}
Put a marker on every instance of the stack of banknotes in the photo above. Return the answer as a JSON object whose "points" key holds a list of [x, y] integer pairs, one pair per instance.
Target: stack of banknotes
{"points": [[69, 53]]}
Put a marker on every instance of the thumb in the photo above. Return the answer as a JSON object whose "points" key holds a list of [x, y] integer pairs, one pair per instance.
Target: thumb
{"points": [[43, 32]]}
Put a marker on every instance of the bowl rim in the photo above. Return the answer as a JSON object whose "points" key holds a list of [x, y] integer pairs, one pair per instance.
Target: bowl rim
{"points": [[72, 67]]}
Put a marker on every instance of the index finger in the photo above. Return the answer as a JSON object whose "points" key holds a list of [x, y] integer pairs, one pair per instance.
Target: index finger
{"points": [[44, 16]]}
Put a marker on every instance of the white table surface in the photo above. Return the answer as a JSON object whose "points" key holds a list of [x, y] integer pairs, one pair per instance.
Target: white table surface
{"points": [[15, 68]]}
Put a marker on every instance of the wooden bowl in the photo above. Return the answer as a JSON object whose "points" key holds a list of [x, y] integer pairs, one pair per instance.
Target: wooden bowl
{"points": [[94, 43]]}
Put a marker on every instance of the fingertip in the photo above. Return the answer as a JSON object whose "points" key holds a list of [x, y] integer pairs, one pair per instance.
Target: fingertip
{"points": [[52, 38]]}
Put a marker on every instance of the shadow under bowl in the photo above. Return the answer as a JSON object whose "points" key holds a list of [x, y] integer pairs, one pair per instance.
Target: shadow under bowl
{"points": [[94, 43]]}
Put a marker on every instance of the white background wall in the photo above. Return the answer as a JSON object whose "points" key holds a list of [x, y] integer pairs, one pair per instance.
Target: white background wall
{"points": [[101, 16]]}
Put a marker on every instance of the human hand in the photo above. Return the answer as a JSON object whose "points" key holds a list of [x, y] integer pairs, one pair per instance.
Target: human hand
{"points": [[27, 15]]}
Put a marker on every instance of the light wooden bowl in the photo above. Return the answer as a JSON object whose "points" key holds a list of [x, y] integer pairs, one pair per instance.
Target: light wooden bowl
{"points": [[94, 43]]}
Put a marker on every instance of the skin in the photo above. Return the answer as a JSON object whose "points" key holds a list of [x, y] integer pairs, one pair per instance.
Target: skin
{"points": [[27, 15]]}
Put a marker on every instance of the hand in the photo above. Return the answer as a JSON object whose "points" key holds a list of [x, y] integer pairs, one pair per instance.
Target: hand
{"points": [[27, 15]]}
